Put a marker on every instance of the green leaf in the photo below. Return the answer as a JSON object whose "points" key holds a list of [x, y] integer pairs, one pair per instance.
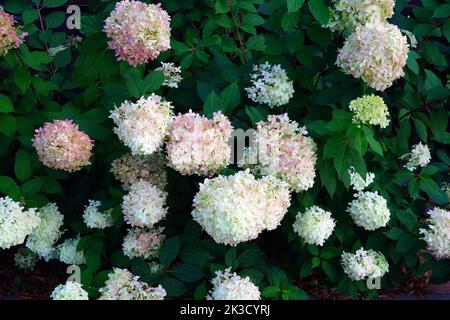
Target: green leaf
{"points": [[22, 166], [230, 258], [173, 286], [200, 291], [55, 19], [9, 187], [257, 114], [54, 3], [221, 6], [153, 81], [22, 78], [433, 190], [169, 250], [213, 103], [6, 105], [271, 292], [442, 11], [8, 125], [374, 144], [406, 242], [230, 97], [118, 259], [319, 10], [256, 43], [31, 187], [294, 5], [187, 272]]}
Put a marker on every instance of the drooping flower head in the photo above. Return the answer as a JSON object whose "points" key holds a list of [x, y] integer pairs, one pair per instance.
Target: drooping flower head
{"points": [[43, 238], [230, 286], [418, 157], [348, 14], [94, 218], [143, 243], [284, 150], [143, 126], [15, 223], [25, 259], [198, 145], [315, 225], [370, 109], [364, 264], [234, 209], [129, 169], [270, 85], [68, 253], [123, 285], [172, 74], [10, 37], [71, 290], [376, 53], [357, 182], [138, 32], [61, 145], [437, 236], [144, 205], [369, 210]]}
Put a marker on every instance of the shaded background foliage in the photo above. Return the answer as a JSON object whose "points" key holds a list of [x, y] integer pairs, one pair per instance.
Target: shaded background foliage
{"points": [[216, 42]]}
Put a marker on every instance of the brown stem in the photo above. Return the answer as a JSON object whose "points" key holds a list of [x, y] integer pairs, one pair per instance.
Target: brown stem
{"points": [[241, 43]]}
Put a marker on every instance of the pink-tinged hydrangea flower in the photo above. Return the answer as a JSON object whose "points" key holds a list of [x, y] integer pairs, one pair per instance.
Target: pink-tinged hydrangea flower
{"points": [[230, 286], [198, 145], [437, 236], [138, 32], [376, 53], [129, 169], [123, 285], [144, 205], [234, 209], [61, 145], [15, 222], [143, 126], [143, 243], [282, 149], [10, 37]]}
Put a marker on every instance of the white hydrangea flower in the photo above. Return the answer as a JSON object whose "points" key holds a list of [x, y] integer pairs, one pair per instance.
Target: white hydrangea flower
{"points": [[369, 210], [437, 236], [144, 205], [364, 264], [67, 252], [376, 53], [15, 223], [143, 243], [315, 225], [418, 157], [93, 218], [71, 290], [270, 85], [357, 182], [172, 74], [347, 14], [230, 286], [282, 149], [370, 109], [143, 126], [43, 238], [123, 285], [25, 259], [237, 208]]}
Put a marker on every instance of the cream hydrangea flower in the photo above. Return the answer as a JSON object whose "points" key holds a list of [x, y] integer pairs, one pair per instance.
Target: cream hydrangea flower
{"points": [[369, 210], [15, 223], [234, 209], [143, 126], [25, 259], [364, 264], [144, 205], [67, 252], [283, 150], [172, 74], [43, 238], [143, 243], [315, 225], [347, 14], [370, 109], [123, 285], [230, 286], [418, 157], [198, 145], [376, 53], [437, 236], [270, 85], [71, 290], [129, 169], [93, 218], [357, 182]]}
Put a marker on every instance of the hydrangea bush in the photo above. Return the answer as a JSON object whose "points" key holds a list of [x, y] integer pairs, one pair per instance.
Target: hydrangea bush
{"points": [[226, 149]]}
